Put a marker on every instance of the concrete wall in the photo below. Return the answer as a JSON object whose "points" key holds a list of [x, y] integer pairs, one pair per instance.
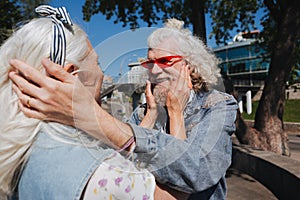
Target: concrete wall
{"points": [[289, 127], [280, 174]]}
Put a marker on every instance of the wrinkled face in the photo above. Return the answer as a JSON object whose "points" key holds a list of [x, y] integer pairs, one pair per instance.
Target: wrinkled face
{"points": [[164, 70], [90, 74]]}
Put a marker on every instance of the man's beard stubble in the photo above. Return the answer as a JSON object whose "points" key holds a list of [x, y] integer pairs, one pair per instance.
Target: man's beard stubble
{"points": [[160, 94]]}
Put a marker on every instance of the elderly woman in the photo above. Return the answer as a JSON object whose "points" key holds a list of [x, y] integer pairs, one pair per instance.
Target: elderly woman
{"points": [[47, 160]]}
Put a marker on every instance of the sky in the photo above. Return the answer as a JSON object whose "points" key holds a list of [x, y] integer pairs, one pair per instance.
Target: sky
{"points": [[115, 45]]}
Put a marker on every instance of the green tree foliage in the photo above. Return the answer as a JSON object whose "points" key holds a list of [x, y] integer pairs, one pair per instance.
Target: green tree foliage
{"points": [[228, 15], [149, 11], [280, 36], [13, 12], [27, 7], [9, 15]]}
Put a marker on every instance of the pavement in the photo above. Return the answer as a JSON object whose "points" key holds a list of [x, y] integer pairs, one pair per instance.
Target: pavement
{"points": [[241, 186]]}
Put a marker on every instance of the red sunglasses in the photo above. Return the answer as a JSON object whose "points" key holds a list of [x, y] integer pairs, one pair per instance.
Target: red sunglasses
{"points": [[162, 62]]}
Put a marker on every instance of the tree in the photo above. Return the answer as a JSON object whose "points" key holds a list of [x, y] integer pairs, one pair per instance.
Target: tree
{"points": [[9, 15], [129, 12], [280, 35], [27, 7], [13, 12]]}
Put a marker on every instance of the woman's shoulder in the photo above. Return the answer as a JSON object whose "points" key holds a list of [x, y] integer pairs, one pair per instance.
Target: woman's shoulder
{"points": [[53, 164]]}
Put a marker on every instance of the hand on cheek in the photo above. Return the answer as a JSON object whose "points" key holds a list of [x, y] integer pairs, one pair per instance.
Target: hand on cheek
{"points": [[179, 90]]}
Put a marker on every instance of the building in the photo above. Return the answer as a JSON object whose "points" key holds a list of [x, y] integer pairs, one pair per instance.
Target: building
{"points": [[137, 74], [242, 61], [107, 82]]}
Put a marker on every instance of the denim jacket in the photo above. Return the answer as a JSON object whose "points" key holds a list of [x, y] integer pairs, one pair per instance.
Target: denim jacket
{"points": [[59, 168], [197, 164]]}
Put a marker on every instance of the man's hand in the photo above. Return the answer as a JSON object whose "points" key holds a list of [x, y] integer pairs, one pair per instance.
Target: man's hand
{"points": [[177, 98], [179, 92], [152, 112]]}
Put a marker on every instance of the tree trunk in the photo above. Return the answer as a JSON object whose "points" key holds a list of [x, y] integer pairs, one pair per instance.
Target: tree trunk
{"points": [[268, 131], [198, 19]]}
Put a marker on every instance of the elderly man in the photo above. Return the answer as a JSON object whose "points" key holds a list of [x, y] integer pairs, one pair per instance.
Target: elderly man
{"points": [[183, 133]]}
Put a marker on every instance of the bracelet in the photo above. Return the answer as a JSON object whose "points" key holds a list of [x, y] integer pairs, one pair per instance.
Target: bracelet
{"points": [[127, 144]]}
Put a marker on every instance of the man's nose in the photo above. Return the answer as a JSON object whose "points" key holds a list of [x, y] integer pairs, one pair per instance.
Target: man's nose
{"points": [[156, 69]]}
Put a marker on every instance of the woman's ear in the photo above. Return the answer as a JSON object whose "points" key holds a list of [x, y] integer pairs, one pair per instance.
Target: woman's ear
{"points": [[70, 68]]}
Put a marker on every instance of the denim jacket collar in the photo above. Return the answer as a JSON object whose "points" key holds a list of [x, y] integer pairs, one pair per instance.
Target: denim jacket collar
{"points": [[194, 103]]}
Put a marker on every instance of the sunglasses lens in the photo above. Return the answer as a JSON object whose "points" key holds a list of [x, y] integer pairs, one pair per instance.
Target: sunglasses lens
{"points": [[148, 64], [163, 62]]}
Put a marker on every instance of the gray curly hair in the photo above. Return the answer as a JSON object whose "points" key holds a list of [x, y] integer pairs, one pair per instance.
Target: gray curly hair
{"points": [[203, 63]]}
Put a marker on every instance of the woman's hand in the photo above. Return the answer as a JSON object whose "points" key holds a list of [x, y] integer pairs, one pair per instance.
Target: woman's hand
{"points": [[42, 97], [63, 98]]}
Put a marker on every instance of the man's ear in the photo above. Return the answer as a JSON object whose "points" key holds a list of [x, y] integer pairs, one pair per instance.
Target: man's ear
{"points": [[69, 68]]}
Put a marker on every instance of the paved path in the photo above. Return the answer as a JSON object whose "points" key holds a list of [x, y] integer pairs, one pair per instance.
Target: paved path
{"points": [[241, 186]]}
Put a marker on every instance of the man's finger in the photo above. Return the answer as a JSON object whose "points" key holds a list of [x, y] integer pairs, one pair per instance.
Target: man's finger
{"points": [[148, 88], [189, 78], [57, 71], [23, 85], [182, 77]]}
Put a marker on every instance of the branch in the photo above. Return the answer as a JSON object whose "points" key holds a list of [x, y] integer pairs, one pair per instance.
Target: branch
{"points": [[273, 8]]}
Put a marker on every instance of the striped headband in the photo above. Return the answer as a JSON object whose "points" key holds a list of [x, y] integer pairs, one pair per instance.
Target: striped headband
{"points": [[60, 18]]}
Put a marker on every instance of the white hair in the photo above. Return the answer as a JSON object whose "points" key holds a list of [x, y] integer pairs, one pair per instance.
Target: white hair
{"points": [[17, 133], [198, 55]]}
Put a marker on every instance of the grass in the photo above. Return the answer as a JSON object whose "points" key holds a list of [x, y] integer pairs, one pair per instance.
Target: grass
{"points": [[291, 111]]}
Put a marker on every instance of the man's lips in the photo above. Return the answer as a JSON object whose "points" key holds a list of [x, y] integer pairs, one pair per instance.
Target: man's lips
{"points": [[159, 80]]}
